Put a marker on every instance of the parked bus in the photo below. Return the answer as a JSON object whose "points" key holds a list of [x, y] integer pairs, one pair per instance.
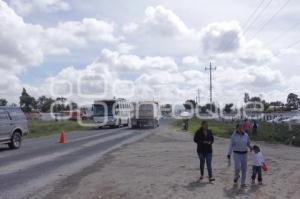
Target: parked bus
{"points": [[111, 112]]}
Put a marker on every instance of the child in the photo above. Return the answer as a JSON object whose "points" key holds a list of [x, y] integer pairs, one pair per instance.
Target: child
{"points": [[258, 161]]}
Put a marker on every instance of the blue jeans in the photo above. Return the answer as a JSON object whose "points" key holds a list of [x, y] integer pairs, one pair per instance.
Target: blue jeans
{"points": [[240, 164], [256, 170], [208, 158]]}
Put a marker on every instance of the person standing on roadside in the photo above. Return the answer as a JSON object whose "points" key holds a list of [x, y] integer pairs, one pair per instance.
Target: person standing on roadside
{"points": [[254, 127], [239, 144], [204, 139]]}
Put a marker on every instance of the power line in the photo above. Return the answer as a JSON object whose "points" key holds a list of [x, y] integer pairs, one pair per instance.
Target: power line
{"points": [[283, 33], [253, 13], [272, 17], [289, 46], [228, 43], [293, 44], [257, 16]]}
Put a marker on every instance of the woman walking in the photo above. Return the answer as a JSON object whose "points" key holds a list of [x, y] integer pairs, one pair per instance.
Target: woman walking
{"points": [[204, 139], [239, 145]]}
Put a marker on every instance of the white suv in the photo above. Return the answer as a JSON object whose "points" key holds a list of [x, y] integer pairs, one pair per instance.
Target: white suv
{"points": [[13, 126]]}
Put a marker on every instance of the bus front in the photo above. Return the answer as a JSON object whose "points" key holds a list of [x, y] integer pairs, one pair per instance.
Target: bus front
{"points": [[103, 113]]}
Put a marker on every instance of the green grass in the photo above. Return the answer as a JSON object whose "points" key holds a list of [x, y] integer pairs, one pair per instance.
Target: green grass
{"points": [[274, 133], [39, 128]]}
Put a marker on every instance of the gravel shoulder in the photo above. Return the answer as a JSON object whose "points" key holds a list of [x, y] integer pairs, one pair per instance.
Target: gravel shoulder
{"points": [[165, 165]]}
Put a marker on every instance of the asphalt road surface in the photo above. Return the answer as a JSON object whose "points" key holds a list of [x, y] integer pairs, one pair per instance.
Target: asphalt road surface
{"points": [[32, 171]]}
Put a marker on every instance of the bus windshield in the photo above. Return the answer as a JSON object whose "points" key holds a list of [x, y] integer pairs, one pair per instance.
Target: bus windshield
{"points": [[100, 109]]}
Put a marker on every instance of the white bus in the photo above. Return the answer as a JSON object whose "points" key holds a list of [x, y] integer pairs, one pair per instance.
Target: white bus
{"points": [[111, 112]]}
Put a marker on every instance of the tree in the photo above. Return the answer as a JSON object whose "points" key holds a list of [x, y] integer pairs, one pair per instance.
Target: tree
{"points": [[293, 101], [44, 103], [246, 97], [166, 109], [27, 103], [228, 108], [277, 105], [13, 105], [60, 104], [210, 107], [69, 107], [189, 104], [74, 105], [255, 99], [3, 102], [266, 105]]}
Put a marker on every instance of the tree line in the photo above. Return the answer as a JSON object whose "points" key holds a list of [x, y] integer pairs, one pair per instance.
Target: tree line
{"points": [[292, 103], [41, 104]]}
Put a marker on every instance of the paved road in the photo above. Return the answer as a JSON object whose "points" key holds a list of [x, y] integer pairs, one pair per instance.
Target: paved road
{"points": [[32, 170]]}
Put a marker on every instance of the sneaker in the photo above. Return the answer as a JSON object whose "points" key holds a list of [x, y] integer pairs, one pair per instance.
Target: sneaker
{"points": [[253, 182], [200, 179], [235, 180], [244, 186], [260, 183], [211, 179]]}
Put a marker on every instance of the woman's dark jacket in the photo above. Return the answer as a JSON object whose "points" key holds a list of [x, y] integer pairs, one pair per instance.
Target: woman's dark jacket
{"points": [[201, 140]]}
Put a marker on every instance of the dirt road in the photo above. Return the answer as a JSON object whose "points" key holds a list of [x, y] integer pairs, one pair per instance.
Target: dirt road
{"points": [[165, 165]]}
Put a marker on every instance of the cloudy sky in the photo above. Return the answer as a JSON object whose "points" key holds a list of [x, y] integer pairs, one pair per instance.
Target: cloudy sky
{"points": [[145, 49]]}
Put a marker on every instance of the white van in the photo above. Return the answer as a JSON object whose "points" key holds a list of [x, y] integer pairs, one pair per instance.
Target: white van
{"points": [[13, 126]]}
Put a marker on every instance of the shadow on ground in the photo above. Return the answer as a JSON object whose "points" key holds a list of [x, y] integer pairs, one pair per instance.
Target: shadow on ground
{"points": [[196, 185]]}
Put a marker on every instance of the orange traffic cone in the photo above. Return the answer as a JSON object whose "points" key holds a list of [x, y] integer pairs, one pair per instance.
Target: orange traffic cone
{"points": [[62, 138]]}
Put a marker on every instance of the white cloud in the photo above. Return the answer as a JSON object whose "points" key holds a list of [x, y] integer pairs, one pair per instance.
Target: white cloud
{"points": [[20, 42], [254, 53], [159, 20], [133, 63], [24, 44], [153, 79], [163, 32], [191, 61], [26, 7], [10, 86], [130, 28], [125, 48], [160, 55], [77, 34], [221, 37]]}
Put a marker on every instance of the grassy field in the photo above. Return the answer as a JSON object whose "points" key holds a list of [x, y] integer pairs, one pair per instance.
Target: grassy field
{"points": [[275, 133], [39, 128]]}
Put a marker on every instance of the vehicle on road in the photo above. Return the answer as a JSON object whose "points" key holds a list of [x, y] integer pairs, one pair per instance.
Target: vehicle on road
{"points": [[278, 120], [292, 120], [13, 126], [86, 112], [145, 113], [111, 112]]}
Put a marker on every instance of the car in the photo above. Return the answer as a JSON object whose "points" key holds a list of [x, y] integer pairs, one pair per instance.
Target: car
{"points": [[293, 120], [278, 120], [13, 126]]}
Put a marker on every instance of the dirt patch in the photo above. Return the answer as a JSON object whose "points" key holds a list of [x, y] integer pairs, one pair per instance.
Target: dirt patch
{"points": [[165, 165]]}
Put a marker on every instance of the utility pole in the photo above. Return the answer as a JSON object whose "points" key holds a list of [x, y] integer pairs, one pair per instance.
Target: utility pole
{"points": [[198, 96], [210, 80]]}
